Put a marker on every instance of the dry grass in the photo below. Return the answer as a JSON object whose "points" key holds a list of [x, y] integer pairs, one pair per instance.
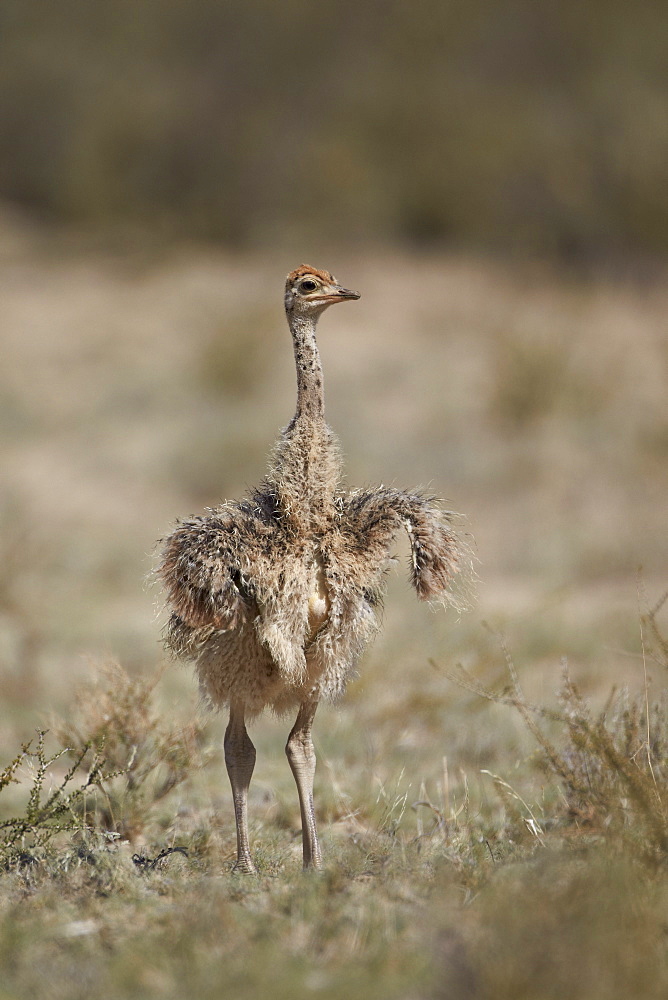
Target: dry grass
{"points": [[553, 884], [474, 848], [149, 755]]}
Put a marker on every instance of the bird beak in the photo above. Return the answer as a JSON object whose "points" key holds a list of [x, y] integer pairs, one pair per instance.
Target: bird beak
{"points": [[339, 295], [346, 293]]}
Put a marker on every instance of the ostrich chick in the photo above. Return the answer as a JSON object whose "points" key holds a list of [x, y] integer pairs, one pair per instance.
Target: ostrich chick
{"points": [[275, 597]]}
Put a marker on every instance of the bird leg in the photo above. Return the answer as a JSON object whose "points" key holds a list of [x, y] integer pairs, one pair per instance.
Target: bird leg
{"points": [[240, 761], [301, 756]]}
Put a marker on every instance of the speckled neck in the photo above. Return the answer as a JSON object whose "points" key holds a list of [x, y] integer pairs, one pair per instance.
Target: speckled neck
{"points": [[305, 466], [310, 391]]}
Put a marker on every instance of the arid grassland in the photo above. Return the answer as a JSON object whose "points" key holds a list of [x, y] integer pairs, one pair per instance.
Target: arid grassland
{"points": [[493, 791]]}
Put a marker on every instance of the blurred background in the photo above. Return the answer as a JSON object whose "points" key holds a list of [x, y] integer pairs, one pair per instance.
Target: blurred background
{"points": [[491, 176], [514, 127]]}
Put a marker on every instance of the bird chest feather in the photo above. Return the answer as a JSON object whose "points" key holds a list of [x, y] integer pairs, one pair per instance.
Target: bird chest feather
{"points": [[318, 601]]}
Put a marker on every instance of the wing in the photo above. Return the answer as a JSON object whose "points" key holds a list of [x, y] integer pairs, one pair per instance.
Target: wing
{"points": [[438, 554], [205, 565]]}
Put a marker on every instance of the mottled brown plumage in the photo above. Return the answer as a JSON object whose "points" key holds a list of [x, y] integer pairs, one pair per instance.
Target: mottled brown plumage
{"points": [[275, 596]]}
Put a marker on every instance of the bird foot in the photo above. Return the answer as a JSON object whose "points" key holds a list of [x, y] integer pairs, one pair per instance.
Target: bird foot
{"points": [[245, 866], [315, 866]]}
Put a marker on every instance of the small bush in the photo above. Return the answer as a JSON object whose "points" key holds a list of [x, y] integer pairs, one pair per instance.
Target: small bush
{"points": [[47, 814], [150, 757], [611, 767]]}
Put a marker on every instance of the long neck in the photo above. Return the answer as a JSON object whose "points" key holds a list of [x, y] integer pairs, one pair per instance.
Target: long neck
{"points": [[310, 392], [305, 465]]}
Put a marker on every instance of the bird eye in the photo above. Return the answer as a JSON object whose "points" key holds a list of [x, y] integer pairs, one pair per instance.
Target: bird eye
{"points": [[308, 286]]}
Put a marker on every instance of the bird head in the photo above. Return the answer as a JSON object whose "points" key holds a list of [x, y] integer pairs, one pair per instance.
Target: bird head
{"points": [[309, 291]]}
